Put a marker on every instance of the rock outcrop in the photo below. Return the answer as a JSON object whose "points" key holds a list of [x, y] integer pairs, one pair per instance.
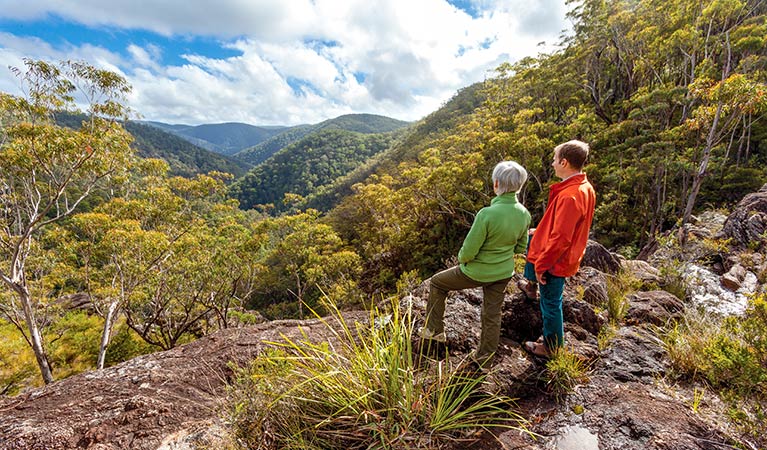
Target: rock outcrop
{"points": [[166, 400], [747, 223], [172, 400]]}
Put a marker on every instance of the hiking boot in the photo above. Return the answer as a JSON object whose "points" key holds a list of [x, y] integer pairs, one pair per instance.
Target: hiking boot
{"points": [[529, 288], [426, 333]]}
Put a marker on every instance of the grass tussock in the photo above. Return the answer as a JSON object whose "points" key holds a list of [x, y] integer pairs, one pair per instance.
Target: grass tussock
{"points": [[565, 370], [619, 287], [361, 390]]}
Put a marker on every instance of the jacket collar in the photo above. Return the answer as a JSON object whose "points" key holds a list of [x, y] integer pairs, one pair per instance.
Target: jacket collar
{"points": [[509, 197], [576, 179]]}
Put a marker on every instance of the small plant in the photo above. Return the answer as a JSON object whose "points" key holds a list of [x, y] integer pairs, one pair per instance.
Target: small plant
{"points": [[697, 398], [360, 390], [565, 370], [672, 273], [619, 287], [605, 336]]}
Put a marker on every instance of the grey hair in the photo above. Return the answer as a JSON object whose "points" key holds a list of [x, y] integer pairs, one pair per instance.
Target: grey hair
{"points": [[510, 177]]}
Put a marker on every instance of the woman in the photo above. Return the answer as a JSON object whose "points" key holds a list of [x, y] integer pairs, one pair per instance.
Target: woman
{"points": [[486, 260]]}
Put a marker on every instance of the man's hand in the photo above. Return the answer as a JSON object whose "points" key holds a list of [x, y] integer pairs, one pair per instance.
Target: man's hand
{"points": [[541, 277], [531, 231]]}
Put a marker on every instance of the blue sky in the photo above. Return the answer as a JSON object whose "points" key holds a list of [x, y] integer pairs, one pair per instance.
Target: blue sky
{"points": [[281, 62]]}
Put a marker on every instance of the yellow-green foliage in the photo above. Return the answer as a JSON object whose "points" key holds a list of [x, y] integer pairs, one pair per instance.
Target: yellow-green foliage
{"points": [[361, 390], [74, 343], [126, 344], [565, 370], [728, 354], [619, 287], [17, 362]]}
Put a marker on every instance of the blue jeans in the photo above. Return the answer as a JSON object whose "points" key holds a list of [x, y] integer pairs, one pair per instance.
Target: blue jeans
{"points": [[551, 307]]}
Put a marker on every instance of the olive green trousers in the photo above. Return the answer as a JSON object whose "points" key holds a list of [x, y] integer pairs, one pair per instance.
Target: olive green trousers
{"points": [[492, 303]]}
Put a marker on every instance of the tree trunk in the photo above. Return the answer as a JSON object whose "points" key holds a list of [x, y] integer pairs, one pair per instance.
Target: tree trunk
{"points": [[34, 334], [702, 168], [106, 334]]}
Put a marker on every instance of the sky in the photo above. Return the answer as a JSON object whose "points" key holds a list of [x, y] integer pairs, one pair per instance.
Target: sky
{"points": [[281, 62]]}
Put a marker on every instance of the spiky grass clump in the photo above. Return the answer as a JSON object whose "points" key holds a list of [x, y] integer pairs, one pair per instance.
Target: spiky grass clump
{"points": [[565, 370], [619, 287], [362, 390]]}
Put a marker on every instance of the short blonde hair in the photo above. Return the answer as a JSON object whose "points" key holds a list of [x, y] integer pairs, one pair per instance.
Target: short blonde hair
{"points": [[511, 176]]}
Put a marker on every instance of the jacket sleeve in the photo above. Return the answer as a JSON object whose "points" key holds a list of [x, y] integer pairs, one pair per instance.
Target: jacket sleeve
{"points": [[566, 216], [521, 245], [474, 240]]}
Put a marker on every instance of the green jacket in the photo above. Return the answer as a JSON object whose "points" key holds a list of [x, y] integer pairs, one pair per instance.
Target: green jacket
{"points": [[499, 231]]}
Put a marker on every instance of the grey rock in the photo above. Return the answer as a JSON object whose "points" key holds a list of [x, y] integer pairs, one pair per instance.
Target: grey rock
{"points": [[592, 283], [748, 221], [642, 270], [655, 307], [598, 257]]}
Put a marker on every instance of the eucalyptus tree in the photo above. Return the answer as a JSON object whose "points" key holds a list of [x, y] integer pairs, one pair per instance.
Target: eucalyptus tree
{"points": [[46, 171]]}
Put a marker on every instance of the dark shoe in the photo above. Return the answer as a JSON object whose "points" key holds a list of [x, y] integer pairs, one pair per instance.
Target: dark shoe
{"points": [[529, 288]]}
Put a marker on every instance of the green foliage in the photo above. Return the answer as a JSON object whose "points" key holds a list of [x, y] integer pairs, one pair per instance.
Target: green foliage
{"points": [[47, 171], [357, 123], [315, 161], [730, 355], [300, 260], [224, 138], [362, 389], [185, 159], [619, 287], [74, 343], [17, 361], [125, 345], [564, 371]]}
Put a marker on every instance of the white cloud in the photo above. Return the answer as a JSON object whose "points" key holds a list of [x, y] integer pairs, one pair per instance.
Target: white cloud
{"points": [[299, 60]]}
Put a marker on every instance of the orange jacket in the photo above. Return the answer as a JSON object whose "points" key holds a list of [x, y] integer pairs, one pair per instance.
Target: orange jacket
{"points": [[560, 239]]}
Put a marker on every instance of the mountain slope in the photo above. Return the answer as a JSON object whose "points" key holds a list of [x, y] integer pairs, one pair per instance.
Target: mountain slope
{"points": [[185, 158], [315, 161], [360, 123]]}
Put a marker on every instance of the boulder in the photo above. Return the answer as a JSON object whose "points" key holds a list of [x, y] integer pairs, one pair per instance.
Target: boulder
{"points": [[655, 307], [733, 279], [598, 257], [747, 223], [643, 271], [582, 314], [591, 284]]}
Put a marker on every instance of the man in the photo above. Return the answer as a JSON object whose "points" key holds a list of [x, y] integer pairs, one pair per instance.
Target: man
{"points": [[558, 243], [486, 259]]}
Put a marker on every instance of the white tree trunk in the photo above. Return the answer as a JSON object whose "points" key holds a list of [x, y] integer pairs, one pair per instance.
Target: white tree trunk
{"points": [[106, 333], [34, 333]]}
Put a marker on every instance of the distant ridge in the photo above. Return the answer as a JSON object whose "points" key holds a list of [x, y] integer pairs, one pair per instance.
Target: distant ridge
{"points": [[225, 138], [358, 123], [184, 158]]}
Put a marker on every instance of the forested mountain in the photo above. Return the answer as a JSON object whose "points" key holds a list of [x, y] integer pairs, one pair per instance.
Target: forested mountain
{"points": [[360, 123], [185, 159], [224, 138], [307, 165], [261, 152], [671, 96]]}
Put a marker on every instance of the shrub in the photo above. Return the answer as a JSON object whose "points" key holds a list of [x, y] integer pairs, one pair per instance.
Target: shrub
{"points": [[363, 390], [731, 356]]}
